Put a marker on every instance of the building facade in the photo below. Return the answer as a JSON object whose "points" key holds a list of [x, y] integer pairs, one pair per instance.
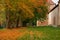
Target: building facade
{"points": [[54, 15]]}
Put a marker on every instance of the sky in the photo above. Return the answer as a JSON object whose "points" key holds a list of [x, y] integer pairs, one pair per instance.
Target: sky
{"points": [[55, 1]]}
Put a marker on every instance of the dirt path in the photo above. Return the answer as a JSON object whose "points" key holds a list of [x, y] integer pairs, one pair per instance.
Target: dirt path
{"points": [[11, 34]]}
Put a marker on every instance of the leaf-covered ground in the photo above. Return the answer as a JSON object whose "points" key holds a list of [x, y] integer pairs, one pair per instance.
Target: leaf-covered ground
{"points": [[30, 33]]}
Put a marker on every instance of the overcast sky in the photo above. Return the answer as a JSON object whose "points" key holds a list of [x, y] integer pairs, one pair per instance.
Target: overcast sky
{"points": [[55, 1]]}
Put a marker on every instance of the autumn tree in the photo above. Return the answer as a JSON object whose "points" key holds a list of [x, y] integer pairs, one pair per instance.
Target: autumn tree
{"points": [[20, 12], [2, 13]]}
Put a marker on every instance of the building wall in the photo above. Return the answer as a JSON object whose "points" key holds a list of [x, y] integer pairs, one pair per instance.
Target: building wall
{"points": [[59, 14], [51, 7], [53, 17], [44, 23]]}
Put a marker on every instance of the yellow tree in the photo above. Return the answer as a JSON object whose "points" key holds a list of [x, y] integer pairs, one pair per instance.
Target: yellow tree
{"points": [[2, 13], [21, 10]]}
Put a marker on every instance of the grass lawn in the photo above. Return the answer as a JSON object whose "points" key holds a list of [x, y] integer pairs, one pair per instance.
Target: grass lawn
{"points": [[31, 33], [41, 33]]}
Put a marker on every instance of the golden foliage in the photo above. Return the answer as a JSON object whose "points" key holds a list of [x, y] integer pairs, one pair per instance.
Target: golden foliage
{"points": [[25, 6], [26, 9]]}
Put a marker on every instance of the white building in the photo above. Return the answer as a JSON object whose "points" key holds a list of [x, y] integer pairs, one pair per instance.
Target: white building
{"points": [[54, 15]]}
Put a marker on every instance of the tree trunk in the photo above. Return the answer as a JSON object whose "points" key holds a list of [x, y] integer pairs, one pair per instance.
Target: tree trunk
{"points": [[17, 22]]}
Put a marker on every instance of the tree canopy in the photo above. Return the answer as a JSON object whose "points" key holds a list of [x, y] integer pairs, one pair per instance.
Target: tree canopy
{"points": [[25, 9]]}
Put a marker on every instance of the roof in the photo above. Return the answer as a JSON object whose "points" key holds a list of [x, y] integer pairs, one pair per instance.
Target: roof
{"points": [[59, 1], [50, 2], [54, 8]]}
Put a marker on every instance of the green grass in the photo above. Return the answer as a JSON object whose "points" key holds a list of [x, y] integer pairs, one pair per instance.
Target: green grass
{"points": [[41, 33]]}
